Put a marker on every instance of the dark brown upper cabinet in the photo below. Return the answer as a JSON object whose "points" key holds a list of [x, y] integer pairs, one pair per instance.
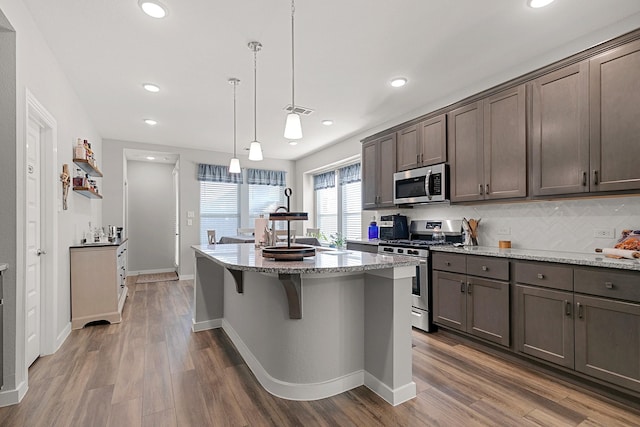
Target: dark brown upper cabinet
{"points": [[378, 167], [614, 86], [422, 144], [560, 132], [487, 148]]}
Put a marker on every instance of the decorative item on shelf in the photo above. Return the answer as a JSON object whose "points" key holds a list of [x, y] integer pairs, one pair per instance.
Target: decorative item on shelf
{"points": [[255, 149], [289, 252], [293, 128], [504, 244], [234, 165], [65, 178]]}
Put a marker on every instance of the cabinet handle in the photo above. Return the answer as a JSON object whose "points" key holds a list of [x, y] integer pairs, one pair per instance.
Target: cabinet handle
{"points": [[584, 178], [421, 158], [487, 189], [468, 287], [480, 188], [540, 276], [462, 286], [595, 177], [579, 310], [485, 268], [608, 285], [568, 305], [447, 263], [417, 158]]}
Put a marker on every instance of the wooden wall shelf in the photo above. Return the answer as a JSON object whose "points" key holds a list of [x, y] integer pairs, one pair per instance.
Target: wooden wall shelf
{"points": [[87, 167], [87, 192]]}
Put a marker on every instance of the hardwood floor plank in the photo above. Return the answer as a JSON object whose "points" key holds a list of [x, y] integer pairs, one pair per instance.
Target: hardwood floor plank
{"points": [[157, 390], [190, 406], [129, 382], [126, 413], [224, 409], [166, 418], [94, 407], [601, 411]]}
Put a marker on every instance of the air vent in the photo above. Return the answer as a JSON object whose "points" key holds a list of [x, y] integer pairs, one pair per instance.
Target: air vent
{"points": [[303, 111]]}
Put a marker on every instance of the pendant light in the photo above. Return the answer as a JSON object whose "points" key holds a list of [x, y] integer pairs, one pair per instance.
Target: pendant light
{"points": [[234, 165], [255, 149], [293, 128]]}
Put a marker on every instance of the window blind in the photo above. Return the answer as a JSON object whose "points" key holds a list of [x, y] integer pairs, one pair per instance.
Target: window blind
{"points": [[219, 209]]}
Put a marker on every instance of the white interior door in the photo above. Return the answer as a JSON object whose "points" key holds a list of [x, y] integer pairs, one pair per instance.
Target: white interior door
{"points": [[176, 192], [33, 248]]}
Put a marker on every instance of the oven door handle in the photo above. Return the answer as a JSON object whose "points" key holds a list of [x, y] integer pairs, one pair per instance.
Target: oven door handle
{"points": [[427, 182]]}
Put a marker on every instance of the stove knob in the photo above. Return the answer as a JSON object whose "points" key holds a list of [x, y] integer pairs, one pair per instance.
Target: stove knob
{"points": [[400, 251]]}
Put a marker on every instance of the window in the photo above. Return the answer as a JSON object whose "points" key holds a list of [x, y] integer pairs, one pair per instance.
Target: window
{"points": [[226, 198], [339, 207]]}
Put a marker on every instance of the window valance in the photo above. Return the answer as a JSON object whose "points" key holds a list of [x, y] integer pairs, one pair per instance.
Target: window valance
{"points": [[349, 174], [324, 180], [217, 173], [266, 177]]}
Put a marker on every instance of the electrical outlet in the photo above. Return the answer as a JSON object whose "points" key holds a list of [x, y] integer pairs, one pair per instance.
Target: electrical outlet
{"points": [[189, 221], [504, 231], [191, 214], [603, 233]]}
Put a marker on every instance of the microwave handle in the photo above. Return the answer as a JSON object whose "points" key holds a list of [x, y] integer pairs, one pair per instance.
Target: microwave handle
{"points": [[426, 184]]}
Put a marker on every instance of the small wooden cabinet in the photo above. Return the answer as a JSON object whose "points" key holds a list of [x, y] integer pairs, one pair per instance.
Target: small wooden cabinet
{"points": [[474, 302], [422, 144], [487, 148], [98, 283], [378, 167]]}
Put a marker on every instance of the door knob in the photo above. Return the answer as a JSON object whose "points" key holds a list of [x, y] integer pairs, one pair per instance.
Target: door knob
{"points": [[41, 252]]}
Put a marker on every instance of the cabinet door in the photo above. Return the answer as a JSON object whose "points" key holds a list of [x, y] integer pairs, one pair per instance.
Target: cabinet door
{"points": [[369, 175], [544, 324], [488, 310], [608, 340], [614, 112], [408, 155], [433, 139], [505, 145], [466, 153], [387, 167], [449, 300], [560, 132]]}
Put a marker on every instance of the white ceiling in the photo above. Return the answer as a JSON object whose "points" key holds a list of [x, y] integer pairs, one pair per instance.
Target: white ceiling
{"points": [[346, 52]]}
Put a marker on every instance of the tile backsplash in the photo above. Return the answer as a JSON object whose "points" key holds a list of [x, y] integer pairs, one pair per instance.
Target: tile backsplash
{"points": [[561, 225]]}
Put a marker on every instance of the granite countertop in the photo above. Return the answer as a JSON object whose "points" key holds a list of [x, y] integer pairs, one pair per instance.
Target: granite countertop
{"points": [[576, 258], [247, 258], [3, 267], [117, 242], [374, 242]]}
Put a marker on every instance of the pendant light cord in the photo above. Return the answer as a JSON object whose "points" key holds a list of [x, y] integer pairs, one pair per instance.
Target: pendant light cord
{"points": [[234, 119], [255, 93], [293, 71]]}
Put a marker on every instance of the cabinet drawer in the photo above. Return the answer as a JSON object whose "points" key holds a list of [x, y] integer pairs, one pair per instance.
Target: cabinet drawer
{"points": [[610, 284], [494, 268], [449, 262], [543, 274]]}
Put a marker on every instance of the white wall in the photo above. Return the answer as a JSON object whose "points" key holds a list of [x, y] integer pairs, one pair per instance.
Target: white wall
{"points": [[38, 71], [113, 185], [151, 230]]}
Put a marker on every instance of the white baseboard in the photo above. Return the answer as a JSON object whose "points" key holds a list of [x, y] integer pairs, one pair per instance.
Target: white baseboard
{"points": [[293, 391], [187, 277], [207, 324], [394, 397], [159, 270], [13, 396]]}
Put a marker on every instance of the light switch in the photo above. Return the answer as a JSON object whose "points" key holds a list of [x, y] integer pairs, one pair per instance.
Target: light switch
{"points": [[189, 222], [191, 214]]}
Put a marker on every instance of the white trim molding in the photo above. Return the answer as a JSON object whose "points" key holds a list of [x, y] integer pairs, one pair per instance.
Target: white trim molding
{"points": [[393, 396], [206, 325], [13, 396]]}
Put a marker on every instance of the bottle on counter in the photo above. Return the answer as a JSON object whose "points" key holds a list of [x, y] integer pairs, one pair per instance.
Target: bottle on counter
{"points": [[373, 229], [78, 179], [79, 150]]}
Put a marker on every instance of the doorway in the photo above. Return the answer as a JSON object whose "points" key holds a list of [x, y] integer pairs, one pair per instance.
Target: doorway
{"points": [[42, 198]]}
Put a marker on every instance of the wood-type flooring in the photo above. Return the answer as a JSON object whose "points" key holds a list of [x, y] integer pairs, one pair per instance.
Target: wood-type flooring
{"points": [[151, 370]]}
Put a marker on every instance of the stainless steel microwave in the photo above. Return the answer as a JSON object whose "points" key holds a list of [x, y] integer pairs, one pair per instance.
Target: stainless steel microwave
{"points": [[423, 185]]}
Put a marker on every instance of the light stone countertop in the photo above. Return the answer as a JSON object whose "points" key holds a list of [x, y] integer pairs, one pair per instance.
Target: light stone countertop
{"points": [[3, 267], [365, 242], [575, 258], [117, 242], [246, 257]]}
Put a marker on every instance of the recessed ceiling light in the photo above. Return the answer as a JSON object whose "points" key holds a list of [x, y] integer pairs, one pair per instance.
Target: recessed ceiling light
{"points": [[150, 122], [293, 142], [150, 158], [398, 82], [327, 122], [539, 3], [154, 8], [151, 87]]}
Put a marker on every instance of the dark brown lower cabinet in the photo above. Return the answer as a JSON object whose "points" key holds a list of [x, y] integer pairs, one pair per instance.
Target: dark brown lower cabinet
{"points": [[607, 342], [544, 324], [473, 305]]}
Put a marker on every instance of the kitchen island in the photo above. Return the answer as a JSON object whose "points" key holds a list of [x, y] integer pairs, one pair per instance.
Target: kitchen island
{"points": [[314, 328]]}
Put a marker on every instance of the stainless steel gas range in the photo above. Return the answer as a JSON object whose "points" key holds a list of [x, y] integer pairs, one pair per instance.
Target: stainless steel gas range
{"points": [[423, 235]]}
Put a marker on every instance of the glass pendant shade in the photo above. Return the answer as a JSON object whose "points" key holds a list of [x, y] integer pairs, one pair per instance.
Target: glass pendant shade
{"points": [[255, 151], [234, 166], [293, 128]]}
